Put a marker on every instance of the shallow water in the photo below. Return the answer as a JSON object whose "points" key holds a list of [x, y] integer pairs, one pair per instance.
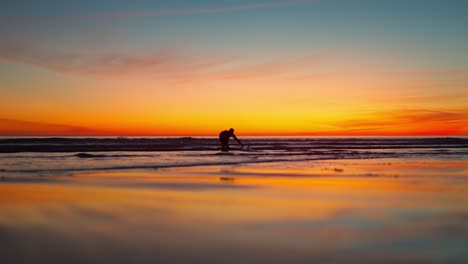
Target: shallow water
{"points": [[387, 210], [62, 156]]}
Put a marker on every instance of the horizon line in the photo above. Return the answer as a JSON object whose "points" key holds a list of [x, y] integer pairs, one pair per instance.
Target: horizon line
{"points": [[239, 135]]}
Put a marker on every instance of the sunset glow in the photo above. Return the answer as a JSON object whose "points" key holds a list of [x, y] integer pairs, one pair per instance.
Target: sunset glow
{"points": [[319, 68]]}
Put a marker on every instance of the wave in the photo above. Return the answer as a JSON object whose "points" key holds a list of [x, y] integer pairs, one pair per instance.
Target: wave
{"points": [[82, 155], [50, 155], [89, 155], [209, 159], [161, 166], [86, 145]]}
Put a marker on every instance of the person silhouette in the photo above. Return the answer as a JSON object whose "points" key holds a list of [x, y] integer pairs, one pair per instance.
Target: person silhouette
{"points": [[224, 137]]}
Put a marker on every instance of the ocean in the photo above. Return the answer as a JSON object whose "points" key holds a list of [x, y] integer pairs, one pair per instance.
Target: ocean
{"points": [[49, 156], [294, 200]]}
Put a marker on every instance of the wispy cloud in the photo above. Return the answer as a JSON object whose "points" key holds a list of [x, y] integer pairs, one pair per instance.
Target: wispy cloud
{"points": [[451, 98], [156, 13], [461, 73], [408, 122], [109, 65], [413, 79], [170, 64], [181, 65], [12, 127]]}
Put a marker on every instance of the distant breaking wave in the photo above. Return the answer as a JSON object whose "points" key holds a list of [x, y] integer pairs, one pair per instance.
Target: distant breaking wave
{"points": [[45, 156], [16, 145]]}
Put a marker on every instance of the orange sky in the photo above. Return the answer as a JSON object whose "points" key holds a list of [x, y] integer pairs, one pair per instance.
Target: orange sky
{"points": [[179, 73], [268, 99]]}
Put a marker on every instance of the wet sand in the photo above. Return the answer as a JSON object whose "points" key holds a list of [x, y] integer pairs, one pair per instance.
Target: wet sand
{"points": [[342, 211]]}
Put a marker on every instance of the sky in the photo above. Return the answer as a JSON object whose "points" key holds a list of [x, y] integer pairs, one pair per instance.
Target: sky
{"points": [[285, 67]]}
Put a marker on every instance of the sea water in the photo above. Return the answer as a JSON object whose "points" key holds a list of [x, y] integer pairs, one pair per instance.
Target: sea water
{"points": [[286, 200], [53, 156]]}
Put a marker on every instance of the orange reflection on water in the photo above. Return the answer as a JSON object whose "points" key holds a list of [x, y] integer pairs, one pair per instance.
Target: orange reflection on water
{"points": [[271, 213]]}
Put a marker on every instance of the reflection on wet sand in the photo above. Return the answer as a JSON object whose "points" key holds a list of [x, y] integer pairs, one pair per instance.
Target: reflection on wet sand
{"points": [[372, 211]]}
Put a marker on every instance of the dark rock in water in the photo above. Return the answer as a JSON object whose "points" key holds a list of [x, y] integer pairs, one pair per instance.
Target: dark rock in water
{"points": [[87, 155]]}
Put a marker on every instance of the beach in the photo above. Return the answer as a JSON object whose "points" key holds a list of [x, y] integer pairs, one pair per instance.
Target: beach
{"points": [[302, 201], [234, 132]]}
